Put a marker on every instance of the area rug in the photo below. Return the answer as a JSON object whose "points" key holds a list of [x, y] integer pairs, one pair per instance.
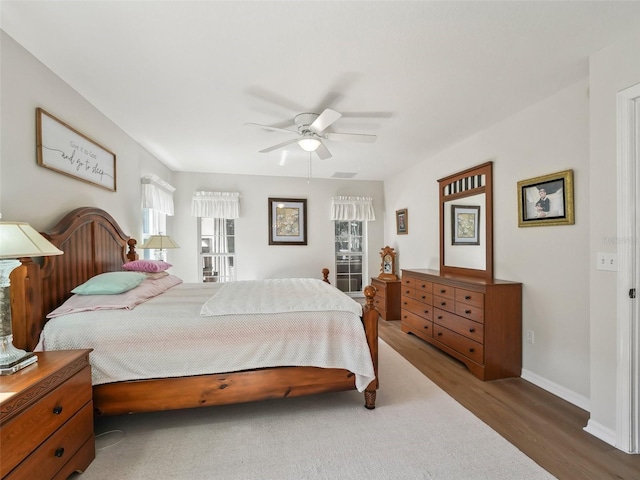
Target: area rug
{"points": [[417, 431]]}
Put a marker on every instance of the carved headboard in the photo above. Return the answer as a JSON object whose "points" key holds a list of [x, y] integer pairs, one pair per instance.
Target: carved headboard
{"points": [[92, 243]]}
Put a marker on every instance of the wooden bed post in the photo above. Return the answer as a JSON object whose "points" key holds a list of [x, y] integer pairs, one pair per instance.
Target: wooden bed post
{"points": [[325, 275], [370, 321]]}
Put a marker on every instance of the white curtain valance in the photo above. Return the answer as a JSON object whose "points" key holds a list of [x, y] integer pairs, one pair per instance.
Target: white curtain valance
{"points": [[216, 204], [157, 194], [352, 208]]}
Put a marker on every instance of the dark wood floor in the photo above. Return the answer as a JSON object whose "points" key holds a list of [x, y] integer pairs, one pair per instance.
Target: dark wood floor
{"points": [[546, 428]]}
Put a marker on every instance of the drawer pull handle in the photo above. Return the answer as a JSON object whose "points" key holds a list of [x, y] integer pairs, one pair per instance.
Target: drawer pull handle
{"points": [[423, 297], [426, 311], [443, 303], [471, 330], [59, 452], [467, 297], [471, 350], [439, 317], [439, 334], [423, 286], [57, 410], [442, 290], [467, 312], [426, 327]]}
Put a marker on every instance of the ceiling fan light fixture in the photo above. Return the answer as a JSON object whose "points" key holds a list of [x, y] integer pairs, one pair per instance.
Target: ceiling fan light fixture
{"points": [[309, 144]]}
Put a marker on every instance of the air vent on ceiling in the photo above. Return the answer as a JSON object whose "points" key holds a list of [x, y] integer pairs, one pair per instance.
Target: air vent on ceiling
{"points": [[343, 175]]}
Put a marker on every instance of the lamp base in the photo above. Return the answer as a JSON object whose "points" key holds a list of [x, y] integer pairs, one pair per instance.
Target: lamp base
{"points": [[13, 367], [13, 359]]}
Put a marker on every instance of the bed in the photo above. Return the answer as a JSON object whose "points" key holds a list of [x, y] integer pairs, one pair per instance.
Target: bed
{"points": [[93, 244]]}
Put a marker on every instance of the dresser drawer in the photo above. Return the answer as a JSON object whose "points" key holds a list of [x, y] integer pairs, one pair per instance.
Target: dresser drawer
{"points": [[470, 297], [468, 328], [470, 311], [408, 292], [444, 291], [444, 303], [422, 286], [54, 453], [408, 282], [463, 345], [19, 436], [421, 309], [414, 321]]}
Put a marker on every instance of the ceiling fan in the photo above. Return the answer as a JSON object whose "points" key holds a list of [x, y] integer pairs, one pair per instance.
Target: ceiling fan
{"points": [[311, 133]]}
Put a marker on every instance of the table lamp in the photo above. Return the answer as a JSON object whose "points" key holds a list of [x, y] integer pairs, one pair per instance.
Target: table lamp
{"points": [[159, 243], [17, 240]]}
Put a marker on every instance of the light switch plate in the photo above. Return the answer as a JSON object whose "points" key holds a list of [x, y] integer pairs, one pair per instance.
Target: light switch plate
{"points": [[607, 261]]}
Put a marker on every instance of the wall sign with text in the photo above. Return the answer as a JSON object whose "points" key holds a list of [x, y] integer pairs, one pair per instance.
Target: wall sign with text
{"points": [[67, 151]]}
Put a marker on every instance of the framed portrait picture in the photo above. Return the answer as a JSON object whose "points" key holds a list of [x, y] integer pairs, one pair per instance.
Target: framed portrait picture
{"points": [[287, 221], [402, 221], [465, 225], [546, 200], [62, 148]]}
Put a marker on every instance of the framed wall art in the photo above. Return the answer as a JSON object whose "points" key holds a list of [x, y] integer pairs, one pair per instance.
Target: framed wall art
{"points": [[62, 148], [402, 221], [287, 221], [546, 200], [465, 225]]}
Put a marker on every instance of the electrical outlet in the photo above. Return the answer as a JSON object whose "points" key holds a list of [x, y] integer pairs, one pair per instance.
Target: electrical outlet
{"points": [[530, 337], [607, 261]]}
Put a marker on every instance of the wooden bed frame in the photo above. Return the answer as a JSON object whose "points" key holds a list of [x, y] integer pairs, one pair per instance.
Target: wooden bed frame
{"points": [[93, 243]]}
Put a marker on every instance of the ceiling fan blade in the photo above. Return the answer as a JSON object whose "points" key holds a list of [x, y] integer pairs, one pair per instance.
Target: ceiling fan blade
{"points": [[350, 137], [325, 119], [280, 145], [323, 152], [277, 129]]}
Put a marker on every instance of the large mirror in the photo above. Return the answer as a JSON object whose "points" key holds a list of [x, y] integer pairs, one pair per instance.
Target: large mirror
{"points": [[466, 222]]}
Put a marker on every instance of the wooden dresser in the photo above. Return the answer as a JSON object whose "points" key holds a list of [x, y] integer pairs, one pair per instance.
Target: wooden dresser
{"points": [[475, 320], [387, 299], [46, 418]]}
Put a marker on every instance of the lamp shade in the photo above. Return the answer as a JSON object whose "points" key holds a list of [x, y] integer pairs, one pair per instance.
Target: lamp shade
{"points": [[160, 242], [309, 144], [22, 240]]}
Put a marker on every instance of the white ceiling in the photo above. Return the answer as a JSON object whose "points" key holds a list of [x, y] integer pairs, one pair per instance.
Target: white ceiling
{"points": [[182, 78]]}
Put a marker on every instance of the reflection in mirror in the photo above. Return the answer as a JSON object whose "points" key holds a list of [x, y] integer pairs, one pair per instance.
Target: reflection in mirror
{"points": [[467, 255], [466, 243]]}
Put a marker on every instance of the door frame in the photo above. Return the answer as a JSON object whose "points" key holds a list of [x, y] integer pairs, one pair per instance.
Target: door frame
{"points": [[628, 331]]}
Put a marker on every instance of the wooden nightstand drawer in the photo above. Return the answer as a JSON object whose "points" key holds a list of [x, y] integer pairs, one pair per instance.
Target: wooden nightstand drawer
{"points": [[46, 418], [42, 418], [54, 453], [387, 299]]}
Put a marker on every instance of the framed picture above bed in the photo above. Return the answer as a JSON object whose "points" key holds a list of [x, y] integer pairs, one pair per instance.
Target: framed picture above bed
{"points": [[546, 200], [287, 221], [64, 149]]}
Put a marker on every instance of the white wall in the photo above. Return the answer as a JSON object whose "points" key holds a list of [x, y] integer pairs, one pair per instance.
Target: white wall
{"points": [[611, 70], [255, 257], [551, 262], [37, 195]]}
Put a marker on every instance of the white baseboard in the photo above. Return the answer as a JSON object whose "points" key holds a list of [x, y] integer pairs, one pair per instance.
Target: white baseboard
{"points": [[558, 390], [600, 431]]}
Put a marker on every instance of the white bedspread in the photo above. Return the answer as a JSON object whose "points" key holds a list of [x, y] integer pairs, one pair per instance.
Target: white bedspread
{"points": [[167, 337]]}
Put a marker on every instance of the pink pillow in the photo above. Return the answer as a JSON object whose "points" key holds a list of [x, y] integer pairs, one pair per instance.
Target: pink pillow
{"points": [[147, 266]]}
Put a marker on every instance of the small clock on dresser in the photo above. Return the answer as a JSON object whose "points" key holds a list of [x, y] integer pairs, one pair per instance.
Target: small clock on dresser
{"points": [[388, 267]]}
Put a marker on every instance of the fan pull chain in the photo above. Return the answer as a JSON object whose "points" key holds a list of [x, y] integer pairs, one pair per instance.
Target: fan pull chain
{"points": [[309, 177]]}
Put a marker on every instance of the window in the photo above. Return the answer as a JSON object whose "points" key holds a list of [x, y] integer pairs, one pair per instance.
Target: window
{"points": [[218, 250], [154, 222], [350, 241]]}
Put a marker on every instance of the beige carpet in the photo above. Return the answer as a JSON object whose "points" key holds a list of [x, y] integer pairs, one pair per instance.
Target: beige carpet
{"points": [[416, 432]]}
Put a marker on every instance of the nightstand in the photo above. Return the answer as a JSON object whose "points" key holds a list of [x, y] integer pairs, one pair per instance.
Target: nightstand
{"points": [[46, 417], [387, 299]]}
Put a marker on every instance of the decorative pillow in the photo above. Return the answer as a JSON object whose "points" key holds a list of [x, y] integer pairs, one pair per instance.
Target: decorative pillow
{"points": [[146, 266], [110, 283], [155, 275]]}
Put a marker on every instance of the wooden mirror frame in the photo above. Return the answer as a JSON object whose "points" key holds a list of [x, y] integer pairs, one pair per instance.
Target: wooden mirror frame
{"points": [[473, 181]]}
